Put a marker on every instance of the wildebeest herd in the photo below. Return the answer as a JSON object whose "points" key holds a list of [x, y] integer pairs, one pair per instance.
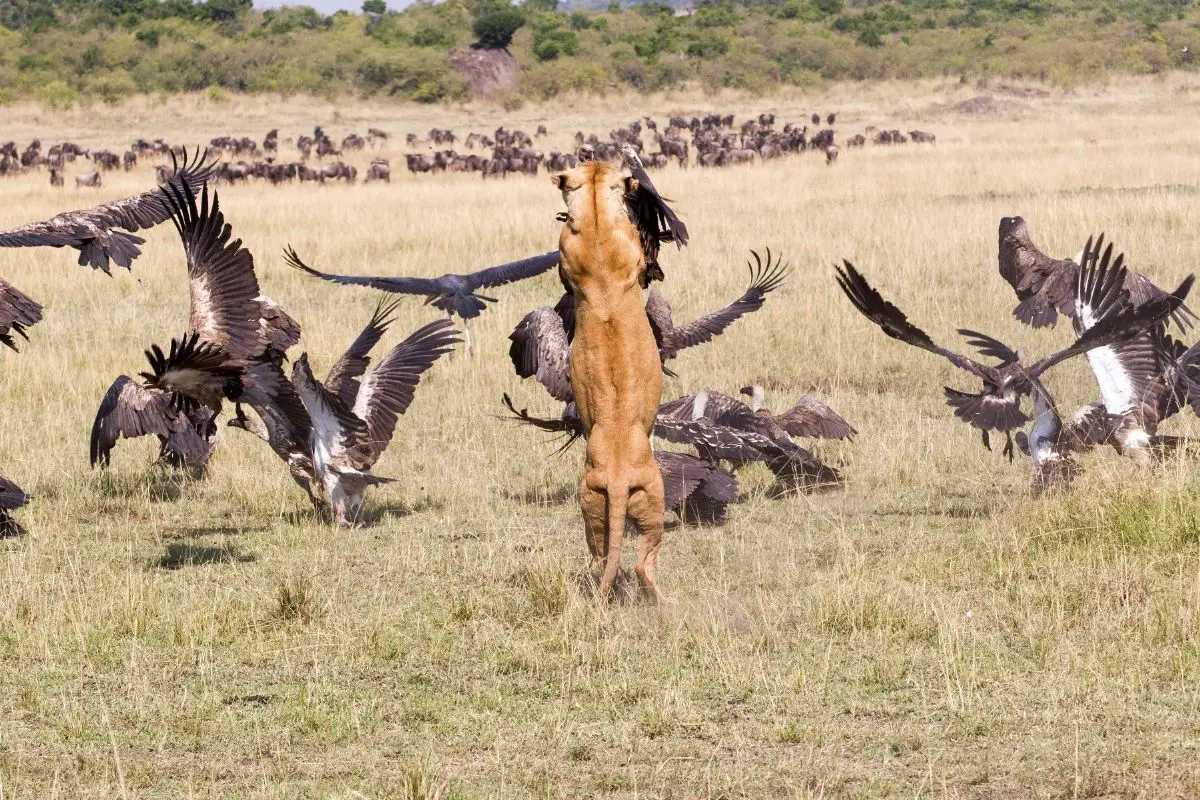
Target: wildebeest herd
{"points": [[588, 351]]}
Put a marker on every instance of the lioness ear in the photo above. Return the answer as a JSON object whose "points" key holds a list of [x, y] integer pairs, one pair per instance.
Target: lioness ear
{"points": [[559, 179], [631, 185]]}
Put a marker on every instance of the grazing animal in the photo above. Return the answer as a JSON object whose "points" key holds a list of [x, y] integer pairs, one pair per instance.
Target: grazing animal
{"points": [[1100, 296], [1046, 286], [616, 375], [88, 179], [352, 425], [93, 232], [187, 438], [831, 154]]}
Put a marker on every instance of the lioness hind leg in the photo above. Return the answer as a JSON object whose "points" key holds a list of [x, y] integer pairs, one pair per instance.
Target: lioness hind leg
{"points": [[595, 530], [646, 509]]}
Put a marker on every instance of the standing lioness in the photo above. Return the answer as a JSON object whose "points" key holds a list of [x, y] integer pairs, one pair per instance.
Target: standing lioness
{"points": [[616, 375]]}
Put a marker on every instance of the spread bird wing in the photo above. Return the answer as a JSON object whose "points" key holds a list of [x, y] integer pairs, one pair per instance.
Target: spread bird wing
{"points": [[129, 410], [221, 281], [343, 378], [388, 391], [1043, 285], [988, 345], [985, 411], [721, 409], [192, 371], [895, 324], [513, 270], [764, 279], [812, 418], [540, 348], [681, 474], [432, 287], [278, 331], [17, 312], [92, 231], [658, 311], [715, 441]]}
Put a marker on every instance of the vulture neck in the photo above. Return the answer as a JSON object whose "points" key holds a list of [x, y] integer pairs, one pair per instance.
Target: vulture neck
{"points": [[699, 406], [758, 398]]}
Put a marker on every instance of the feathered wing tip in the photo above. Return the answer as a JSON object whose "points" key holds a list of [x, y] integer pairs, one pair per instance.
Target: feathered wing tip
{"points": [[571, 426], [292, 259], [871, 304], [21, 310], [11, 498], [117, 246], [189, 354], [988, 345], [767, 277]]}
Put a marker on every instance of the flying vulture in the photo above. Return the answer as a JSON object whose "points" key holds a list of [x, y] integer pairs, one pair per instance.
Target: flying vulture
{"points": [[696, 489], [11, 498], [17, 312], [541, 342], [187, 438], [352, 426], [231, 326], [454, 294], [105, 233], [1046, 287], [1100, 295], [655, 220]]}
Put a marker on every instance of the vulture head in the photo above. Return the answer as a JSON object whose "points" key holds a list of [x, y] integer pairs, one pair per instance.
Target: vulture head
{"points": [[757, 395]]}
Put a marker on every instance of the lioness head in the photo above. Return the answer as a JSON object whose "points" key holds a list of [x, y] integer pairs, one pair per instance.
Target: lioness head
{"points": [[594, 190]]}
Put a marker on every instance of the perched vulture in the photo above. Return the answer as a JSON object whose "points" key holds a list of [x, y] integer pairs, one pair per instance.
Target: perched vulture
{"points": [[186, 438], [760, 439], [1046, 287], [454, 294], [541, 342], [696, 489], [351, 429], [809, 417], [11, 498], [17, 312], [1100, 296], [225, 326], [105, 233]]}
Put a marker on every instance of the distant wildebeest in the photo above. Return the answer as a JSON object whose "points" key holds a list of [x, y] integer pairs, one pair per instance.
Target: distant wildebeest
{"points": [[816, 119], [379, 170], [91, 179], [616, 374], [129, 160], [922, 137], [857, 140], [831, 154], [830, 119], [56, 177], [376, 136]]}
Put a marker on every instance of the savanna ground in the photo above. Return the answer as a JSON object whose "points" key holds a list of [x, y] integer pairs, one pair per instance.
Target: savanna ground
{"points": [[933, 629]]}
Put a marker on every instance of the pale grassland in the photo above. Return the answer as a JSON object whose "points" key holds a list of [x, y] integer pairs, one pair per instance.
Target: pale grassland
{"points": [[931, 630]]}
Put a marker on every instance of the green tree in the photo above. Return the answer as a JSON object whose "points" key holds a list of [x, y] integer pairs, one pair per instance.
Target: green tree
{"points": [[374, 6], [541, 5], [494, 27]]}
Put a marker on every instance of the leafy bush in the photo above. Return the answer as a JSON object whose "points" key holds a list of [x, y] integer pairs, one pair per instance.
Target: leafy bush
{"points": [[551, 42], [495, 27]]}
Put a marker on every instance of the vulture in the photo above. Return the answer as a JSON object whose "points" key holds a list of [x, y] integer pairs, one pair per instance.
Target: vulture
{"points": [[809, 417], [105, 233], [1100, 296], [541, 342], [1046, 287], [17, 312], [11, 498], [352, 424], [232, 327], [697, 490], [1051, 441], [1143, 380], [655, 221], [186, 438], [759, 434], [454, 294]]}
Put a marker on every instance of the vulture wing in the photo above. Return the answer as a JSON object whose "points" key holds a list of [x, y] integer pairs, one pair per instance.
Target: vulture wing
{"points": [[895, 324], [92, 231], [514, 270], [681, 474], [129, 410], [343, 378], [388, 391], [764, 278], [278, 331], [568, 423], [225, 311], [655, 220], [432, 287], [540, 347], [17, 312], [11, 496], [813, 419], [195, 372]]}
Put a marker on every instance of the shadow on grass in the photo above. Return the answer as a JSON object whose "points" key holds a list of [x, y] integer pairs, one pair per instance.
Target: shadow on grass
{"points": [[180, 555], [160, 484], [542, 496], [197, 531]]}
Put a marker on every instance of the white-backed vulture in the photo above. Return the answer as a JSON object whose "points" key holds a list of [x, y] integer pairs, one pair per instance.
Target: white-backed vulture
{"points": [[186, 438]]}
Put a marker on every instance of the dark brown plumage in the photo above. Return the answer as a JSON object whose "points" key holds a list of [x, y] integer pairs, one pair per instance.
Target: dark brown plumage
{"points": [[94, 231], [17, 312], [128, 410], [11, 498], [1046, 287], [656, 221]]}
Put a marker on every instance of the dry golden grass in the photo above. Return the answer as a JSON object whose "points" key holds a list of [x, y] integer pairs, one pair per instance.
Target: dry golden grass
{"points": [[931, 630]]}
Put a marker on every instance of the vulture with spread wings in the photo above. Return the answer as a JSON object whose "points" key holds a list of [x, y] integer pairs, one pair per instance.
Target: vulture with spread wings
{"points": [[231, 326], [655, 220], [105, 233], [1046, 287], [186, 438], [353, 423], [541, 342], [1100, 296], [452, 293]]}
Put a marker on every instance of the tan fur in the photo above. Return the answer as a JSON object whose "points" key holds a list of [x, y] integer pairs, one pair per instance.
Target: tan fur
{"points": [[615, 371]]}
